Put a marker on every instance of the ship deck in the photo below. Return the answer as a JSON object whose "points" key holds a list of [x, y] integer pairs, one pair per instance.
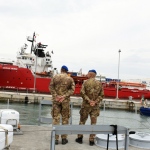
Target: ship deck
{"points": [[38, 138]]}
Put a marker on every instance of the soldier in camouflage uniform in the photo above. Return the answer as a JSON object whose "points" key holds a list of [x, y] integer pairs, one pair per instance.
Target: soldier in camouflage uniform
{"points": [[61, 87], [92, 93]]}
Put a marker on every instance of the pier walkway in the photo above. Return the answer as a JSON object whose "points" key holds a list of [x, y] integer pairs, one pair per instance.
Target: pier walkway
{"points": [[38, 138]]}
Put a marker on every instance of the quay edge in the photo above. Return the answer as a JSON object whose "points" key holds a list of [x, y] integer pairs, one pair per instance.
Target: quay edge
{"points": [[35, 98]]}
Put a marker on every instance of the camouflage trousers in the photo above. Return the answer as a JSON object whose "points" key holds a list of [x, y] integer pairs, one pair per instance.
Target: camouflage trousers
{"points": [[61, 110], [94, 112]]}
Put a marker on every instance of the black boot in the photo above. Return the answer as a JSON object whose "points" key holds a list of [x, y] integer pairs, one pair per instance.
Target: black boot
{"points": [[64, 141], [56, 142], [91, 143], [79, 140]]}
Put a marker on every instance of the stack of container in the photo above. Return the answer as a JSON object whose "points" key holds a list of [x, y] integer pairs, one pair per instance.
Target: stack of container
{"points": [[9, 121]]}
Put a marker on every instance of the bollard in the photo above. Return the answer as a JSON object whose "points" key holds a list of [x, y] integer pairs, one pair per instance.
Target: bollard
{"points": [[26, 99], [8, 104]]}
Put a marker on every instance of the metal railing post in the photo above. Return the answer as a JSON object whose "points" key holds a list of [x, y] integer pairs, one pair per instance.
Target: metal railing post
{"points": [[52, 144], [126, 140], [104, 112], [40, 107], [71, 104]]}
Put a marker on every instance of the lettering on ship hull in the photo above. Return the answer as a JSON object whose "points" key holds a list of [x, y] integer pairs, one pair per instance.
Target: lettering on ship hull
{"points": [[10, 68]]}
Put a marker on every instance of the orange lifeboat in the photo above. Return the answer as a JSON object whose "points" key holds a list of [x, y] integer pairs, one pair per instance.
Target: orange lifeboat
{"points": [[42, 73], [129, 84]]}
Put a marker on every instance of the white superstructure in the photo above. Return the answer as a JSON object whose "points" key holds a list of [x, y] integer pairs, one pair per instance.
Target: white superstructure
{"points": [[38, 61]]}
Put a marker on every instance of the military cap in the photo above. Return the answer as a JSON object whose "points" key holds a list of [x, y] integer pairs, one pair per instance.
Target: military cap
{"points": [[64, 67], [94, 71]]}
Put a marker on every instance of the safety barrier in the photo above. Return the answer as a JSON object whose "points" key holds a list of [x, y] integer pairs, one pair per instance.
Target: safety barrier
{"points": [[87, 129]]}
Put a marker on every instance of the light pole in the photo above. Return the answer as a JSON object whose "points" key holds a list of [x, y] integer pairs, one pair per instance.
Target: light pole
{"points": [[35, 74], [118, 74], [36, 56]]}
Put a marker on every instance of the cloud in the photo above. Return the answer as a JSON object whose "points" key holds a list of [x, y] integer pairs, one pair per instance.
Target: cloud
{"points": [[83, 34]]}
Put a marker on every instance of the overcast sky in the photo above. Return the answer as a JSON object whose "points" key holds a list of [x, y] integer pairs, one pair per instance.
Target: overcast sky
{"points": [[83, 34]]}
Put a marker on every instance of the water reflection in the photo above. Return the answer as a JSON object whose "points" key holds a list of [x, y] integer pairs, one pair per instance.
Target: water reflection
{"points": [[29, 116]]}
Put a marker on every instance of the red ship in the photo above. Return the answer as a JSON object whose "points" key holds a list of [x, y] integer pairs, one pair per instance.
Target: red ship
{"points": [[30, 73]]}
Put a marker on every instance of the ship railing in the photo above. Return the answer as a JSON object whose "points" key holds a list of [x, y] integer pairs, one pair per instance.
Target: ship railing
{"points": [[88, 129], [44, 119], [48, 120]]}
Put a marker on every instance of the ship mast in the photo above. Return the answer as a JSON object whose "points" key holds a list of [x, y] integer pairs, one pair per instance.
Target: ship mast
{"points": [[32, 46], [32, 41]]}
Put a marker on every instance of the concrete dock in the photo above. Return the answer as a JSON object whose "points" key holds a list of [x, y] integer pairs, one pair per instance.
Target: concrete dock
{"points": [[35, 98], [38, 138]]}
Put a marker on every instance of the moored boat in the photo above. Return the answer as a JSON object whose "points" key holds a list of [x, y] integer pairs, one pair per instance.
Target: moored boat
{"points": [[31, 73], [126, 90], [145, 111]]}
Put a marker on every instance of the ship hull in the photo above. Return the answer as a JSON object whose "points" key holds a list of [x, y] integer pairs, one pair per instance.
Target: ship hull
{"points": [[22, 79], [126, 93], [14, 78]]}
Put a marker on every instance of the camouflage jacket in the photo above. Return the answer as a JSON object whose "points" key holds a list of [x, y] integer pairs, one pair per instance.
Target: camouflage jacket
{"points": [[92, 90], [62, 85]]}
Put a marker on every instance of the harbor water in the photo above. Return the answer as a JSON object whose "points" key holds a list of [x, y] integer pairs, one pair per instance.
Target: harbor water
{"points": [[29, 116]]}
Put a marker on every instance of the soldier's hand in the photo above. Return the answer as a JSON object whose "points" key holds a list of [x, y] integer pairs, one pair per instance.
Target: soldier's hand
{"points": [[92, 103], [61, 98], [58, 98]]}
